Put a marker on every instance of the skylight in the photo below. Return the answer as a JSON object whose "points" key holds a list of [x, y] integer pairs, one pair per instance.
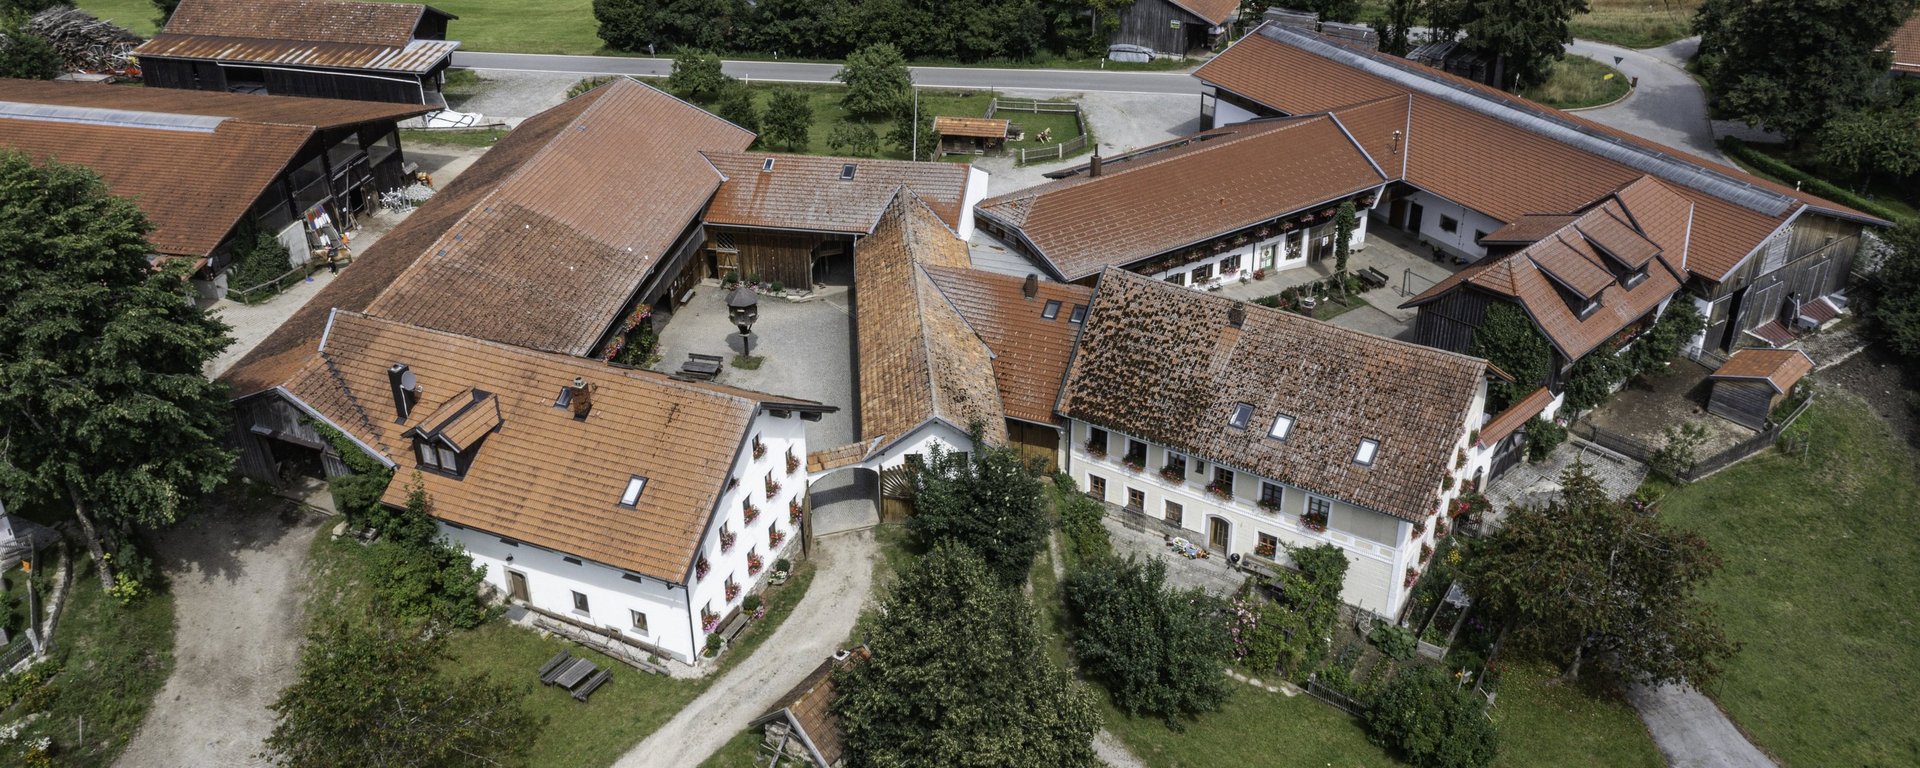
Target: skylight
{"points": [[767, 164], [1079, 314], [1242, 416], [632, 494], [1282, 425], [1051, 311], [1364, 456], [846, 172]]}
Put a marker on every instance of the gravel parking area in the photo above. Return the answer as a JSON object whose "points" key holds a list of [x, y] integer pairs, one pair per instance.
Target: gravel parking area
{"points": [[510, 97], [1120, 122]]}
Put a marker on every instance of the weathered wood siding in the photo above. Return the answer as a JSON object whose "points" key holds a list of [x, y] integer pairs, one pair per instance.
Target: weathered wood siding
{"points": [[1449, 321], [786, 257], [1150, 23], [208, 76], [1815, 258], [260, 422], [1747, 403]]}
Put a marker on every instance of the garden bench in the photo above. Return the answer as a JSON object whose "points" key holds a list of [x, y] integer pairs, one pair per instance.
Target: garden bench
{"points": [[1373, 277], [595, 680], [732, 628], [547, 670]]}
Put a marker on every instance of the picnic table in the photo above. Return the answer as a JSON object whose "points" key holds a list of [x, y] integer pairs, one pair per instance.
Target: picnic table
{"points": [[577, 675], [701, 366]]}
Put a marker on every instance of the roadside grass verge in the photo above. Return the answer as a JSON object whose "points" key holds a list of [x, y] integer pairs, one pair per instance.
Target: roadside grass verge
{"points": [[113, 660], [1636, 23], [620, 714], [1822, 573], [1577, 82], [419, 137]]}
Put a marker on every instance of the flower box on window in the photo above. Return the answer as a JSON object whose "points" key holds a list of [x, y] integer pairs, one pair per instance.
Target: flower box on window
{"points": [[1264, 549], [733, 590], [749, 511], [1220, 489], [773, 487], [1173, 473], [776, 537], [793, 461], [709, 621], [1133, 463], [1097, 448], [794, 512], [1313, 521], [759, 448], [754, 563], [1271, 506], [726, 540], [700, 567], [1413, 575]]}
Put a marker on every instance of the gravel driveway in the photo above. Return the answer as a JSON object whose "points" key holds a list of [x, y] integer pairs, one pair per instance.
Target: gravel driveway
{"points": [[818, 625], [1691, 731], [238, 577]]}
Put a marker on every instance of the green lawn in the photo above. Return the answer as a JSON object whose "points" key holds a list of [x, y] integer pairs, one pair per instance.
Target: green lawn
{"points": [[1545, 721], [619, 715], [1626, 23], [1577, 82], [738, 753], [484, 137], [1822, 564], [113, 660], [1254, 728], [138, 15], [825, 102]]}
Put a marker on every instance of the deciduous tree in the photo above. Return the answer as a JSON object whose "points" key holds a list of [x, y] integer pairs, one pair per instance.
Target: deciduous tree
{"points": [[878, 84], [787, 120], [958, 677], [1590, 581], [26, 55], [736, 106], [1892, 303], [915, 136], [986, 500], [1792, 65], [696, 76], [1157, 650], [1432, 722], [1524, 36], [372, 694], [857, 139], [1877, 138], [103, 403], [1508, 339]]}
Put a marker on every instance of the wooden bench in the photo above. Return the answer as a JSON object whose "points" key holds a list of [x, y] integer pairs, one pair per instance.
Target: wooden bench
{"points": [[731, 629], [1373, 277], [547, 670], [593, 681], [700, 366]]}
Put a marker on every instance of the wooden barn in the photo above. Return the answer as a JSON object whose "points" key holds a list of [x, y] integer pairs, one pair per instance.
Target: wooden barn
{"points": [[1752, 383], [794, 219], [330, 49], [1174, 27], [202, 165], [970, 135]]}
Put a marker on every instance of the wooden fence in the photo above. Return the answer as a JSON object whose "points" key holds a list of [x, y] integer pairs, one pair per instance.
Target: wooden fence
{"points": [[1335, 697], [1701, 469], [1060, 151]]}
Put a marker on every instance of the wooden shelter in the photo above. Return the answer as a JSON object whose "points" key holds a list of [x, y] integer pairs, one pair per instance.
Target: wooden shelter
{"points": [[1752, 382], [333, 49], [1173, 27], [971, 135]]}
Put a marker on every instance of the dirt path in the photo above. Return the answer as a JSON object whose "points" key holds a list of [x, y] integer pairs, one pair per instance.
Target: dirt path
{"points": [[821, 621], [1691, 732], [237, 577]]}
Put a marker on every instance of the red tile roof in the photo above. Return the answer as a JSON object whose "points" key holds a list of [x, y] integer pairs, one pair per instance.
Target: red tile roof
{"points": [[1030, 351], [1515, 416], [195, 162], [1780, 368], [919, 361], [1164, 362], [1904, 44], [807, 193], [1157, 202], [1583, 259], [978, 127], [538, 474], [1505, 156], [1215, 12], [315, 21]]}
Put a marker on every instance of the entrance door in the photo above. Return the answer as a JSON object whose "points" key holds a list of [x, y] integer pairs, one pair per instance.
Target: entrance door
{"points": [[517, 586], [1414, 214], [1216, 534]]}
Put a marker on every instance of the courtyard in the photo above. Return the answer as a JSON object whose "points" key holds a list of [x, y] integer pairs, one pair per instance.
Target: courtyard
{"points": [[1646, 407], [805, 350]]}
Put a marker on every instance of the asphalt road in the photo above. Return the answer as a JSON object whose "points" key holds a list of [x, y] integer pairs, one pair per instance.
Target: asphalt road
{"points": [[1668, 106], [1077, 80]]}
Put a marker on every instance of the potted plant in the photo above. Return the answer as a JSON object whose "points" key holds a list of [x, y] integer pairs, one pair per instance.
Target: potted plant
{"points": [[1259, 274]]}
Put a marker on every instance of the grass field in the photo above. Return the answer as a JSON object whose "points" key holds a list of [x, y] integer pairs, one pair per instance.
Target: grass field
{"points": [[1576, 82], [1821, 579], [621, 713], [1626, 23], [113, 660], [738, 753]]}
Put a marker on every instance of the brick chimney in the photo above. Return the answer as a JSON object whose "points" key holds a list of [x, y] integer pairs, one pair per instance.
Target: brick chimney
{"points": [[1093, 166], [406, 390], [581, 403], [1031, 287]]}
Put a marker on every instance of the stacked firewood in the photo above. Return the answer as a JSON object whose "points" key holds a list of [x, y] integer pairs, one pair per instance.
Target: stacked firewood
{"points": [[85, 43]]}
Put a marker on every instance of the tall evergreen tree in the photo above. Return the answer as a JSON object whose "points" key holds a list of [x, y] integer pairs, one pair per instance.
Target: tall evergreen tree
{"points": [[1792, 65], [1525, 37], [958, 677], [103, 404]]}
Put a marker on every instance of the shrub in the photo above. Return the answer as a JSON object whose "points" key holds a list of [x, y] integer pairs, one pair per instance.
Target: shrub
{"points": [[1087, 538], [1158, 650], [857, 139], [783, 564], [1676, 457], [587, 85], [1542, 437], [1395, 642], [1431, 722], [750, 603], [259, 259], [1780, 169]]}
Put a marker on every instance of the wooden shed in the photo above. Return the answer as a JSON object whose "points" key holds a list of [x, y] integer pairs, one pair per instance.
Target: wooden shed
{"points": [[1752, 382], [970, 135]]}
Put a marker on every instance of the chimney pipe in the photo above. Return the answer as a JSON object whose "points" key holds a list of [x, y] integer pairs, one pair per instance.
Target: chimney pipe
{"points": [[1093, 166], [1031, 288], [406, 390], [1237, 315], [582, 401]]}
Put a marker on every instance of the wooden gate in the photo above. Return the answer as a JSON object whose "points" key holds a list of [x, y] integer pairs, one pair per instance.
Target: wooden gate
{"points": [[896, 494]]}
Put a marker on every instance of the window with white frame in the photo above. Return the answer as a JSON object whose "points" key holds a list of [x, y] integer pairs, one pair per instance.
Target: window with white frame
{"points": [[639, 621], [1282, 426], [1364, 455]]}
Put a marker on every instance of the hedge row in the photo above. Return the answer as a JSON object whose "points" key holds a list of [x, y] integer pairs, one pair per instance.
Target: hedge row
{"points": [[1782, 170]]}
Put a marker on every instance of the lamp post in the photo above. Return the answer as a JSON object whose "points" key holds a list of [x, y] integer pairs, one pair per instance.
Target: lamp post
{"points": [[743, 307]]}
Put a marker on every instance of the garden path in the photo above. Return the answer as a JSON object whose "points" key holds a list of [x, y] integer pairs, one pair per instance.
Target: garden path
{"points": [[1691, 731], [819, 624]]}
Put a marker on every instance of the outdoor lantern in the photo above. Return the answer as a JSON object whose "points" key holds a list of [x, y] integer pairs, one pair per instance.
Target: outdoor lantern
{"points": [[743, 307]]}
